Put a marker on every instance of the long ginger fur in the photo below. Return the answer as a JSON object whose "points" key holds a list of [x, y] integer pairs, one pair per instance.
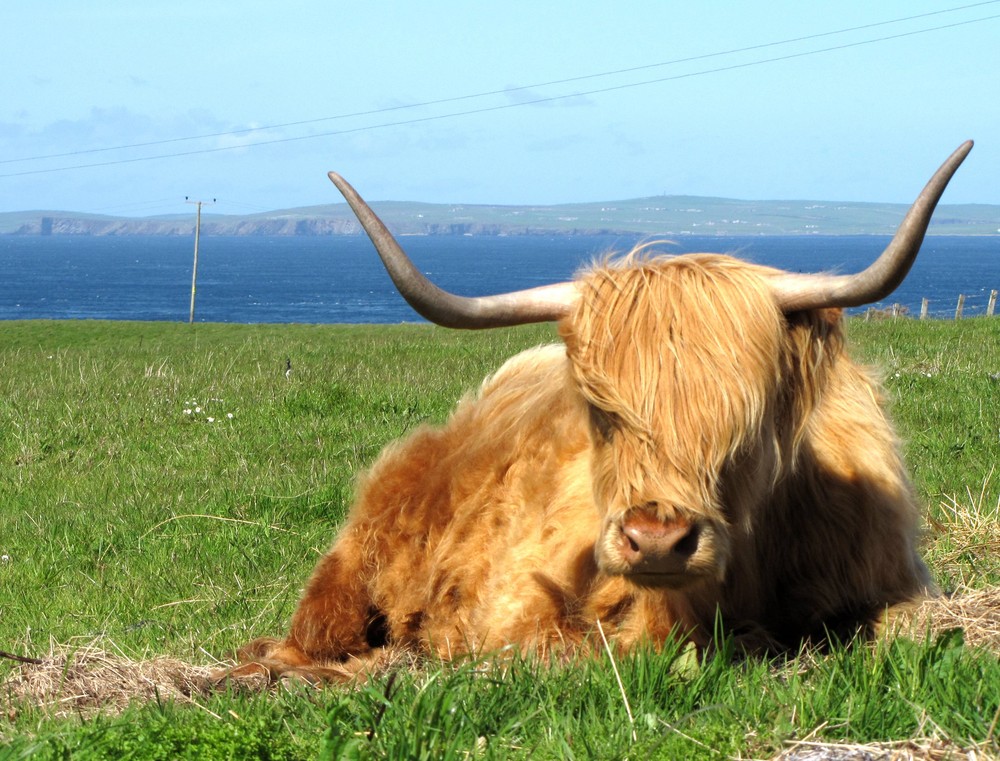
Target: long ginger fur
{"points": [[679, 385]]}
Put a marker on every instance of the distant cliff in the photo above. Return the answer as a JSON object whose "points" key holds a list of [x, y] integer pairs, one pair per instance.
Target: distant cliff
{"points": [[664, 216], [67, 224]]}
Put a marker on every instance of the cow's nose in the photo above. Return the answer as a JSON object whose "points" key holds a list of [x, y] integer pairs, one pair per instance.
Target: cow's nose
{"points": [[651, 546]]}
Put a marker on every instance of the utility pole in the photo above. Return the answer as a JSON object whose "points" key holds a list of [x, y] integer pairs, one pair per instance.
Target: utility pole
{"points": [[197, 234]]}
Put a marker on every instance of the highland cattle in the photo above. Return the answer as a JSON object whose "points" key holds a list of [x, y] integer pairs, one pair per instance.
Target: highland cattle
{"points": [[699, 451]]}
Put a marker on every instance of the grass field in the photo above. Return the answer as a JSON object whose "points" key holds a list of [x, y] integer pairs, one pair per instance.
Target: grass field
{"points": [[165, 491]]}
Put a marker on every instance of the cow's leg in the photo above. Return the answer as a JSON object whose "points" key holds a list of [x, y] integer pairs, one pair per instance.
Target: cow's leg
{"points": [[335, 620]]}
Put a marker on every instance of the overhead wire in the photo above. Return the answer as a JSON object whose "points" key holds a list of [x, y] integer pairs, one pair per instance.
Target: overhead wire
{"points": [[505, 91]]}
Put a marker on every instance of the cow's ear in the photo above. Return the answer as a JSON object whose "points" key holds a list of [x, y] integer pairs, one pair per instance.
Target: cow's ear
{"points": [[831, 315], [827, 316], [603, 422]]}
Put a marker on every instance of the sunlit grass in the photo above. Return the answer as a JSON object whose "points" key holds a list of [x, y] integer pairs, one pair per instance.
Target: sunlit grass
{"points": [[164, 488]]}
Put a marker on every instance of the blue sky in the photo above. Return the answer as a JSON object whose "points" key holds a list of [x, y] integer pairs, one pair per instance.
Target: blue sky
{"points": [[869, 121]]}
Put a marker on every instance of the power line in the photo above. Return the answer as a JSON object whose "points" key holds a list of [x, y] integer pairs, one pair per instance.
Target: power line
{"points": [[507, 90], [454, 99], [501, 107]]}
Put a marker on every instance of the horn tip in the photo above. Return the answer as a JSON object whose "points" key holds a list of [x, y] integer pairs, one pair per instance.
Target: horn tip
{"points": [[341, 184], [964, 148]]}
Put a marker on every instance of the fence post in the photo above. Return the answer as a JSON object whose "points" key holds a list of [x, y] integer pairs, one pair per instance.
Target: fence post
{"points": [[961, 305], [992, 305], [924, 303]]}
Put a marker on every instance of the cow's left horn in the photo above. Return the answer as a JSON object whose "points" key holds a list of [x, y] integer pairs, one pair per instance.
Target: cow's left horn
{"points": [[542, 304], [883, 276]]}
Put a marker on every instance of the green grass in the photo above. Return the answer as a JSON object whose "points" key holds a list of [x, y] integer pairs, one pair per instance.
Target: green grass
{"points": [[127, 520], [943, 378]]}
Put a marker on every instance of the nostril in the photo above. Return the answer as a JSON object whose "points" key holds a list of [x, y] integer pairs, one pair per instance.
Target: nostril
{"points": [[687, 545], [630, 547]]}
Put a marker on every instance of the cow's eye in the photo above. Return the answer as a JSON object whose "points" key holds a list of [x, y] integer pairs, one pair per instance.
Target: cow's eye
{"points": [[603, 422]]}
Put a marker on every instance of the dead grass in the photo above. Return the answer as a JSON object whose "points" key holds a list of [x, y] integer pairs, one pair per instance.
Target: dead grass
{"points": [[975, 612], [75, 680], [83, 680], [906, 750], [966, 537]]}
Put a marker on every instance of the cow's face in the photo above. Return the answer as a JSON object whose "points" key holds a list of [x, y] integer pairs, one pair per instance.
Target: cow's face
{"points": [[679, 363]]}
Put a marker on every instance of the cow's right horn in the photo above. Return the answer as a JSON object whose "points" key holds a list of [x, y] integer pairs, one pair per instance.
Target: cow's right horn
{"points": [[796, 292], [542, 304]]}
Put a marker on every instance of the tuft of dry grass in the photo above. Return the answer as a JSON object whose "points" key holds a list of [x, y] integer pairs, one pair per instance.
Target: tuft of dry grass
{"points": [[966, 537], [84, 679], [905, 750], [975, 612]]}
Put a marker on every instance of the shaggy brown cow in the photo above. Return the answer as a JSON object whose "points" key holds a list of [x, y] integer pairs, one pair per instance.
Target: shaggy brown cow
{"points": [[701, 449]]}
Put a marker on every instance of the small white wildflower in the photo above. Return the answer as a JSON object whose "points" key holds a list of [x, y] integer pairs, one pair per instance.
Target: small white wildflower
{"points": [[897, 375], [229, 415], [197, 409], [211, 420], [5, 558], [187, 410]]}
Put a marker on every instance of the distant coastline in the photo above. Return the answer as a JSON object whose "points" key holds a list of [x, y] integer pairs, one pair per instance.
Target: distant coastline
{"points": [[662, 216]]}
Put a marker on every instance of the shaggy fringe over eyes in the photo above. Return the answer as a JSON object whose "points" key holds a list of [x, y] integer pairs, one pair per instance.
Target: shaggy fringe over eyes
{"points": [[689, 356]]}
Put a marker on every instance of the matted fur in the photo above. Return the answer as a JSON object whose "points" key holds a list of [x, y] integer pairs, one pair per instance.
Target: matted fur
{"points": [[682, 393]]}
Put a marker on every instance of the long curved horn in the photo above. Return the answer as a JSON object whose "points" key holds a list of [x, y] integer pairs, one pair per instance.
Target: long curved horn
{"points": [[542, 304], [793, 292], [797, 292]]}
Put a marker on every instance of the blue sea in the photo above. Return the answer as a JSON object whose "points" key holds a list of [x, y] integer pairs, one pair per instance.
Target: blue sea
{"points": [[339, 279]]}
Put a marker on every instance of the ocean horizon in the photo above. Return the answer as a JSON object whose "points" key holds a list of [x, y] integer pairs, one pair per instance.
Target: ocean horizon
{"points": [[339, 279]]}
